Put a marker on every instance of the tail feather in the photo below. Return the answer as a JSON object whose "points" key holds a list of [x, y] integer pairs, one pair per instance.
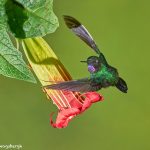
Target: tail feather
{"points": [[121, 85]]}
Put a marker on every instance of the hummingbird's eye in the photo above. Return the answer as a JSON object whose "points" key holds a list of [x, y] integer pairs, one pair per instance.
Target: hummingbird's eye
{"points": [[93, 64], [96, 61], [93, 60], [94, 67]]}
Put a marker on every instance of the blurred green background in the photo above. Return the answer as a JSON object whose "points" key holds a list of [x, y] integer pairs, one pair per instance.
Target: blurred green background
{"points": [[121, 28]]}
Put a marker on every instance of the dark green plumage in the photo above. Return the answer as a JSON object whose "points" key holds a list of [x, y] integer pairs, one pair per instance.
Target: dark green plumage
{"points": [[105, 76], [102, 75]]}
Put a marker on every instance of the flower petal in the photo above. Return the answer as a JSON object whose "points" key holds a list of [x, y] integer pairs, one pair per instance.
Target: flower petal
{"points": [[91, 97], [64, 116]]}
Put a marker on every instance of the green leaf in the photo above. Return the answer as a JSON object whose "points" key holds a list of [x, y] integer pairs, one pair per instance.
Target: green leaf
{"points": [[11, 62], [3, 18], [28, 18]]}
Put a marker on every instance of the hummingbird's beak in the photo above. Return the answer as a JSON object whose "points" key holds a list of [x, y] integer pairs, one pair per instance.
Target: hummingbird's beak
{"points": [[83, 61]]}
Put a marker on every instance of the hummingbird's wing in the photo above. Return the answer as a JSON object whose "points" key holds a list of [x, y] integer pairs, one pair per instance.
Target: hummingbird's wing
{"points": [[81, 32], [81, 85]]}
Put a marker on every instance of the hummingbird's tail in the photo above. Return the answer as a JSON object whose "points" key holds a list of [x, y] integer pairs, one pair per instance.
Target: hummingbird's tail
{"points": [[122, 86]]}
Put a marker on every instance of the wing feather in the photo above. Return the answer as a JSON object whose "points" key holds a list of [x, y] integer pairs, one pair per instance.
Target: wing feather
{"points": [[81, 32], [82, 85]]}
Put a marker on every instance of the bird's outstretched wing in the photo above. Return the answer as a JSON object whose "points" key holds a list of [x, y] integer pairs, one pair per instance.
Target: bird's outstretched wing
{"points": [[81, 85], [81, 32]]}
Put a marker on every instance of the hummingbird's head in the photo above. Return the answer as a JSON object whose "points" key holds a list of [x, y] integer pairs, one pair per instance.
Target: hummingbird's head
{"points": [[93, 64], [121, 85]]}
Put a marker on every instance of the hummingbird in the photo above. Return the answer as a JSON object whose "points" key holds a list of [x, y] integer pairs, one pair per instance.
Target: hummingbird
{"points": [[102, 74]]}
